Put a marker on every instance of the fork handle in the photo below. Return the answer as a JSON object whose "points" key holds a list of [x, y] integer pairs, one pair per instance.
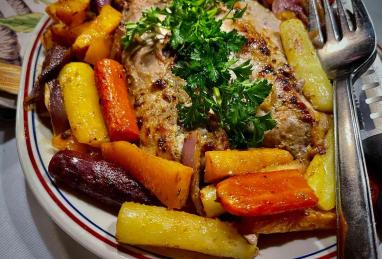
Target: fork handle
{"points": [[356, 236]]}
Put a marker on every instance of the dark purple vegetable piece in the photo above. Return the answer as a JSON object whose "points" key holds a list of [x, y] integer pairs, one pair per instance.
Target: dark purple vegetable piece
{"points": [[55, 59], [57, 111], [102, 181]]}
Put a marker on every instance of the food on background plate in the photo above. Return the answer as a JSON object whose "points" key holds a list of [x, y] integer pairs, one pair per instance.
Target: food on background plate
{"points": [[202, 107]]}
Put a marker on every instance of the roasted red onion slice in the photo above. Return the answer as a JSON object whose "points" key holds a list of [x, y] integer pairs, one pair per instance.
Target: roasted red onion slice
{"points": [[189, 147], [57, 111], [55, 59], [191, 157]]}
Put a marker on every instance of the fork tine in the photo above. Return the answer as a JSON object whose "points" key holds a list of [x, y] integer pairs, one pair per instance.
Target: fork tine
{"points": [[360, 13], [330, 23], [343, 18], [314, 23]]}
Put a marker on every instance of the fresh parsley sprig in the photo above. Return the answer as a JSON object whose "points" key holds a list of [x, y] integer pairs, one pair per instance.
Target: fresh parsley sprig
{"points": [[216, 82]]}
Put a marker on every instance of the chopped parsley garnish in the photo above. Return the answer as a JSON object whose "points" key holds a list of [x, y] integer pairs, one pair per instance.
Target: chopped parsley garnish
{"points": [[217, 82]]}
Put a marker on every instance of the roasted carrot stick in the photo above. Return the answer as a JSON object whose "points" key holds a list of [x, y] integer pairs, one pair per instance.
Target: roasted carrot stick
{"points": [[168, 180], [262, 194], [116, 109]]}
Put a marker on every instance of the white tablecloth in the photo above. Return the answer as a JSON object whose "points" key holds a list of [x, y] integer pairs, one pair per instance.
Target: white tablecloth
{"points": [[26, 231]]}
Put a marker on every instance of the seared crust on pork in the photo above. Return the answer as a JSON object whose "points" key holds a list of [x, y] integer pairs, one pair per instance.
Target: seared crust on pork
{"points": [[297, 121], [156, 92], [310, 219]]}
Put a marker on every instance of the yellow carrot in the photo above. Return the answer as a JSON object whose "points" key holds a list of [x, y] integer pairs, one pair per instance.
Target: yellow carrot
{"points": [[81, 103], [221, 164]]}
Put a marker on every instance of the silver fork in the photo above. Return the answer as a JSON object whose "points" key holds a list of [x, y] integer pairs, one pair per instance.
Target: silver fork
{"points": [[348, 51]]}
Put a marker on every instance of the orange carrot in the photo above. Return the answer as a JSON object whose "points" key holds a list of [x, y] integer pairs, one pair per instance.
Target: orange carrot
{"points": [[265, 193], [116, 109], [99, 49], [168, 180]]}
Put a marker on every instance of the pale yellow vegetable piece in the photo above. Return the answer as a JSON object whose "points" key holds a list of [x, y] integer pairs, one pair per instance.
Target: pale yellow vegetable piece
{"points": [[81, 103], [211, 206], [222, 164], [321, 175], [294, 165], [304, 60], [139, 224]]}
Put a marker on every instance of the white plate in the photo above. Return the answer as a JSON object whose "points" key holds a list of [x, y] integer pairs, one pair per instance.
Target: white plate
{"points": [[91, 226]]}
